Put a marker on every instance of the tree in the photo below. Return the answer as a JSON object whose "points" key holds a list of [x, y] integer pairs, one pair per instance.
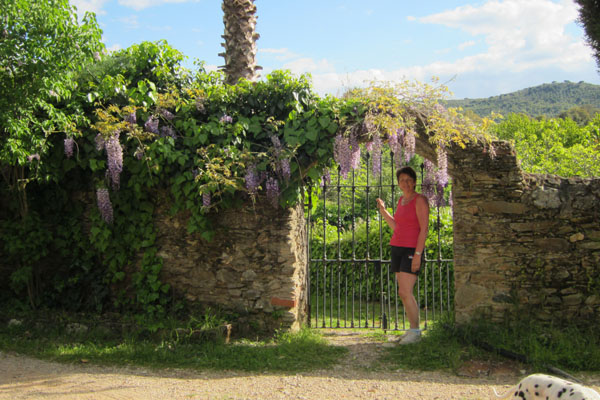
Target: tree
{"points": [[42, 44], [589, 17], [240, 40]]}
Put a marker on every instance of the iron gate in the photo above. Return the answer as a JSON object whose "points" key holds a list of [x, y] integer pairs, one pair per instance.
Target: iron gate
{"points": [[350, 285]]}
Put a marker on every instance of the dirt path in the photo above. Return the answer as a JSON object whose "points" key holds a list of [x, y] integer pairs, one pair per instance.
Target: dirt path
{"points": [[27, 378]]}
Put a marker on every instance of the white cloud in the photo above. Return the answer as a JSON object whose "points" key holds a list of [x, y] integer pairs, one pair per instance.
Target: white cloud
{"points": [[114, 47], [94, 6], [522, 38], [141, 4], [466, 44], [520, 34], [308, 65], [282, 54], [130, 22]]}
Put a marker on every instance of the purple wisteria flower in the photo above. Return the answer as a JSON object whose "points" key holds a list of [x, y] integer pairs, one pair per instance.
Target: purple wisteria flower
{"points": [[114, 152], [131, 118], [151, 125], [100, 142], [166, 114], [410, 144], [284, 169], [282, 165], [273, 191], [376, 154], [252, 179], [226, 119], [395, 143], [276, 144], [104, 205], [442, 173], [354, 151], [206, 199], [428, 184], [167, 131], [139, 153], [342, 154], [439, 200], [69, 143]]}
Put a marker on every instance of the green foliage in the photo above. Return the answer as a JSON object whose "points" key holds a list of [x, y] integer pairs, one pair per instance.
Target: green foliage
{"points": [[589, 17], [582, 115], [41, 45], [555, 146], [549, 100], [138, 125], [350, 244]]}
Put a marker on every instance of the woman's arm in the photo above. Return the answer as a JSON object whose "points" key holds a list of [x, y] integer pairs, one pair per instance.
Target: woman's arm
{"points": [[386, 215], [422, 209]]}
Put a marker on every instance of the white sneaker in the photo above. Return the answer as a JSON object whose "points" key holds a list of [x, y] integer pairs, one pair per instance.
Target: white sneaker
{"points": [[411, 337]]}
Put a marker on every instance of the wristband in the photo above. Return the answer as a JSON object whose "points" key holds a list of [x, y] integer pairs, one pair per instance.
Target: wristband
{"points": [[418, 253]]}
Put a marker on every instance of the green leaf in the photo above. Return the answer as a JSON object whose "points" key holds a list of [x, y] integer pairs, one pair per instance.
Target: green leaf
{"points": [[312, 134], [324, 121]]}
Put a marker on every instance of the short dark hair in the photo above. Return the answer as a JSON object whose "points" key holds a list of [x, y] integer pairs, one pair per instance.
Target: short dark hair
{"points": [[407, 171]]}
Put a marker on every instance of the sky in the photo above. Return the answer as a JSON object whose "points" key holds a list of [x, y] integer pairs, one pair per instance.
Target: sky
{"points": [[476, 48]]}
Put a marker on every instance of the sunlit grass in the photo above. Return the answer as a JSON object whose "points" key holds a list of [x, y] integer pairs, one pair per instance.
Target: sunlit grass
{"points": [[291, 352]]}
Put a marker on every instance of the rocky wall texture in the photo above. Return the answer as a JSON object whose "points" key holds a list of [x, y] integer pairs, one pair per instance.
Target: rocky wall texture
{"points": [[255, 265], [522, 239]]}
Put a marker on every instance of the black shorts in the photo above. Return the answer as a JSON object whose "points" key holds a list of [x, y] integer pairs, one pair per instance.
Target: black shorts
{"points": [[402, 259]]}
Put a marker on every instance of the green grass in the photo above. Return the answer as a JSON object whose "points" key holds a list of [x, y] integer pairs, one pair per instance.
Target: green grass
{"points": [[341, 312], [445, 346], [290, 352]]}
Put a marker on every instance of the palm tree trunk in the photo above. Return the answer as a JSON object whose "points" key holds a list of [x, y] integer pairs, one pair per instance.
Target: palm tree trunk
{"points": [[240, 40]]}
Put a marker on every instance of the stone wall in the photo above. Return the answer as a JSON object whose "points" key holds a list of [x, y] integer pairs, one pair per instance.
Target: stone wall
{"points": [[254, 266], [523, 239]]}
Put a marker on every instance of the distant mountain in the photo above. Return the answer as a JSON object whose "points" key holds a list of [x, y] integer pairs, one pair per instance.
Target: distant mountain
{"points": [[549, 99]]}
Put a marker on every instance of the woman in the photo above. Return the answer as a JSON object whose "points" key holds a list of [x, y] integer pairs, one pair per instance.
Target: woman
{"points": [[410, 224]]}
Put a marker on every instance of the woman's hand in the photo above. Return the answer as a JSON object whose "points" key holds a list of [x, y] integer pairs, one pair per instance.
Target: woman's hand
{"points": [[415, 266], [380, 204]]}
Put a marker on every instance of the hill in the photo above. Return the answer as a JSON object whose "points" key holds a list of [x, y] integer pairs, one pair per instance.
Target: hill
{"points": [[549, 99]]}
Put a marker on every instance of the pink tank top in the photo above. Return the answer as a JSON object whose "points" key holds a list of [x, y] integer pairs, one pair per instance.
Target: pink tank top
{"points": [[407, 228]]}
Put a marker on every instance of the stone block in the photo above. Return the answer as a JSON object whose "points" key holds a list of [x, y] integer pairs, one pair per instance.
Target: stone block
{"points": [[589, 245], [249, 275], [552, 244], [576, 237], [546, 198], [593, 235], [469, 295], [503, 207], [573, 299]]}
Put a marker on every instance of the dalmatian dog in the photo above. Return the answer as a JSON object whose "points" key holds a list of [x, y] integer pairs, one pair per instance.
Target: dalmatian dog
{"points": [[546, 387]]}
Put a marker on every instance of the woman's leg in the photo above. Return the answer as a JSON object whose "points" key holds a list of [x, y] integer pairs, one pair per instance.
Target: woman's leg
{"points": [[406, 284]]}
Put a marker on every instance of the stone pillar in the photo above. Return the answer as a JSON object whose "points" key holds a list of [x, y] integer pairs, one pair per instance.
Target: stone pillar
{"points": [[523, 241]]}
